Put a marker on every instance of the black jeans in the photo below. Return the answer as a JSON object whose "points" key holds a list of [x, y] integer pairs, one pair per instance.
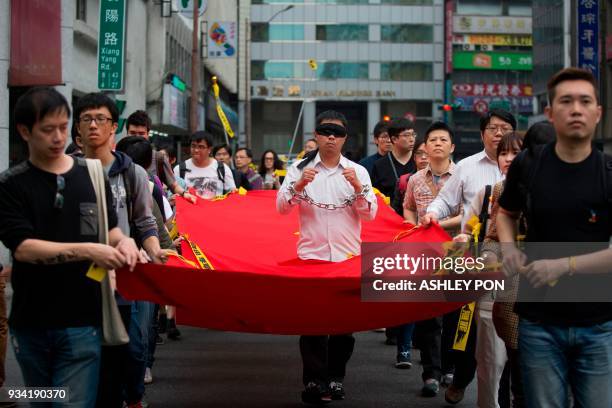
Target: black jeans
{"points": [[325, 357], [429, 339]]}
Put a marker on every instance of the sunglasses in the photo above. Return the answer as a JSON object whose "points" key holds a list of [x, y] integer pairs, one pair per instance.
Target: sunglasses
{"points": [[59, 197]]}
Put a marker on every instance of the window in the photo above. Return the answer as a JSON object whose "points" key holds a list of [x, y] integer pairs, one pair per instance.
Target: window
{"points": [[407, 33], [264, 32], [81, 10], [408, 2], [343, 1], [406, 71], [276, 1], [480, 7], [519, 8], [262, 70], [343, 70], [343, 32]]}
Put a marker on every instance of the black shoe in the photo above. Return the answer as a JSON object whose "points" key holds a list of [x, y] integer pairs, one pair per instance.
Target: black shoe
{"points": [[159, 340], [316, 394], [391, 341], [337, 390], [173, 332]]}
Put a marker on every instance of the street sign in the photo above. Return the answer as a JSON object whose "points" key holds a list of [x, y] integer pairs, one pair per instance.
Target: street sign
{"points": [[111, 45]]}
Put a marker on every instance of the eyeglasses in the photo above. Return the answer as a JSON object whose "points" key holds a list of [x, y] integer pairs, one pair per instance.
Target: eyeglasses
{"points": [[495, 129], [100, 119], [422, 155], [384, 137], [410, 134], [198, 147], [59, 197]]}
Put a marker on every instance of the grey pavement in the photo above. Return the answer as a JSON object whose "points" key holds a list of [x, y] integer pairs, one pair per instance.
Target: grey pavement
{"points": [[207, 368]]}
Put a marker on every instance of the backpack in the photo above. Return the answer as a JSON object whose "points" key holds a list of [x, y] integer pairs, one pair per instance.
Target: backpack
{"points": [[220, 172], [529, 163]]}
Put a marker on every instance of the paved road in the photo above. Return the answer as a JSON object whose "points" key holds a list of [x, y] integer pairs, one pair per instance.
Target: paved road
{"points": [[222, 370]]}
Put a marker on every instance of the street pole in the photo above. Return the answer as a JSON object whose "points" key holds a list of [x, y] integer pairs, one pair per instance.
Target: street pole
{"points": [[195, 66], [295, 131], [247, 82]]}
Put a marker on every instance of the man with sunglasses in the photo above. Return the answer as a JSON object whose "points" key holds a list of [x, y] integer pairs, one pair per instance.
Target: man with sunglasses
{"points": [[50, 225], [472, 175], [333, 195]]}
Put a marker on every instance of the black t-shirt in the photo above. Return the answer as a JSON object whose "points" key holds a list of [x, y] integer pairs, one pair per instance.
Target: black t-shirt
{"points": [[564, 197], [51, 296], [383, 176]]}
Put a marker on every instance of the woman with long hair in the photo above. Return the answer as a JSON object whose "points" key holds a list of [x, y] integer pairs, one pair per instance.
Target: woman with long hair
{"points": [[268, 166]]}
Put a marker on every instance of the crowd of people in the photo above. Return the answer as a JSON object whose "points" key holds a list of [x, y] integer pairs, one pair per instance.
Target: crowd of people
{"points": [[57, 223]]}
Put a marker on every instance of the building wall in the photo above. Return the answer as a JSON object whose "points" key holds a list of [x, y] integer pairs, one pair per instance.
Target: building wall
{"points": [[5, 53]]}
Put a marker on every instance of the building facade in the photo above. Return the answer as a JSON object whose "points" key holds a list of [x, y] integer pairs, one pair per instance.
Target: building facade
{"points": [[488, 65], [364, 58]]}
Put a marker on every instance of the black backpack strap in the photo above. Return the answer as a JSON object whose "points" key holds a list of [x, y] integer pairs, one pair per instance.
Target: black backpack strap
{"points": [[529, 165], [129, 180], [484, 213], [221, 174], [393, 166], [183, 169], [308, 157]]}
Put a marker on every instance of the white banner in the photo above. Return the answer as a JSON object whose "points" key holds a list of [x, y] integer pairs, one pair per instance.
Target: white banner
{"points": [[222, 39]]}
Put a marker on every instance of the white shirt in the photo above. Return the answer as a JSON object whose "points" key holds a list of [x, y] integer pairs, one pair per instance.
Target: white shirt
{"points": [[472, 174], [205, 180], [329, 235]]}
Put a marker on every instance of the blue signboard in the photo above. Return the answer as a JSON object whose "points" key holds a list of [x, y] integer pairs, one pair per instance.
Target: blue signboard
{"points": [[588, 36]]}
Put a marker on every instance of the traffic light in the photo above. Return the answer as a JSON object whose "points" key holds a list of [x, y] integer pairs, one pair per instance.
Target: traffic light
{"points": [[448, 107]]}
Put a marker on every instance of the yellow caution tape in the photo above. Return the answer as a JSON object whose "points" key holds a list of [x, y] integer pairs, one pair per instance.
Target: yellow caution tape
{"points": [[200, 257], [96, 273], [224, 120], [464, 325]]}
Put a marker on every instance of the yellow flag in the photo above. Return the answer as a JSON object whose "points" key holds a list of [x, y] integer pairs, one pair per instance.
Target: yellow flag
{"points": [[224, 120], [463, 326], [96, 273]]}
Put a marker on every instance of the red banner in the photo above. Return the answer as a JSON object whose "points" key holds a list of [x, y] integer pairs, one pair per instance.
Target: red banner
{"points": [[498, 90], [258, 285], [36, 43], [448, 32]]}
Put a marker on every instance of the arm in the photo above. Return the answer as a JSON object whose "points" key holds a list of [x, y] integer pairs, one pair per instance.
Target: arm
{"points": [[410, 208], [230, 184], [410, 216], [447, 201], [284, 203], [451, 223], [366, 207], [142, 203]]}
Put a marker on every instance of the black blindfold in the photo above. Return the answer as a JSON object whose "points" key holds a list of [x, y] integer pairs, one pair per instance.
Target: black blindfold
{"points": [[328, 129]]}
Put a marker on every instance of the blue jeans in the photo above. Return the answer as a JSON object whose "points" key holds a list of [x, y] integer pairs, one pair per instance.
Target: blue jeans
{"points": [[140, 327], [554, 358], [60, 358], [404, 339]]}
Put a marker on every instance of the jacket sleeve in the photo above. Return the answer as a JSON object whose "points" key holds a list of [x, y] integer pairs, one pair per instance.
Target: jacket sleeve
{"points": [[142, 202]]}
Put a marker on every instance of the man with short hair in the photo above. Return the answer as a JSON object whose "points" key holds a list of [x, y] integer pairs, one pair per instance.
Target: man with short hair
{"points": [[139, 124], [563, 191], [206, 175], [472, 175], [383, 146], [123, 367], [388, 169], [422, 189], [310, 145], [50, 225], [330, 235], [243, 158]]}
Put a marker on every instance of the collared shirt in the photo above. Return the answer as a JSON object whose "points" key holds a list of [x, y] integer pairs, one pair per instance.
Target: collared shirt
{"points": [[472, 174], [330, 235], [423, 187]]}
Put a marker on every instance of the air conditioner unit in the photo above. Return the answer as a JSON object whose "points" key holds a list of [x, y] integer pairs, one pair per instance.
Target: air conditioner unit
{"points": [[468, 47]]}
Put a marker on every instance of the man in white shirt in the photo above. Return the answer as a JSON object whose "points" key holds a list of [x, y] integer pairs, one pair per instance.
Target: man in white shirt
{"points": [[324, 176], [207, 176], [472, 175]]}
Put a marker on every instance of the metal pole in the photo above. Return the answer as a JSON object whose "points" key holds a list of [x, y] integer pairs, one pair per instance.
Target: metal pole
{"points": [[195, 55], [247, 82], [297, 125]]}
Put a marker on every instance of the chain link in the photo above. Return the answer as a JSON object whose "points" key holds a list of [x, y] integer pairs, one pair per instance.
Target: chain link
{"points": [[347, 202]]}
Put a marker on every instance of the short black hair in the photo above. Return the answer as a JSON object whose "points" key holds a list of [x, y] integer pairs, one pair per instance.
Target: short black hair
{"points": [[138, 148], [38, 102], [221, 146], [332, 115], [570, 74], [139, 118], [248, 151], [202, 135], [96, 100], [539, 133], [439, 125], [500, 114], [397, 126], [381, 127]]}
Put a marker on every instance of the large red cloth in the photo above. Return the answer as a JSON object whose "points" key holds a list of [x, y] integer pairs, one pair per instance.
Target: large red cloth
{"points": [[259, 285]]}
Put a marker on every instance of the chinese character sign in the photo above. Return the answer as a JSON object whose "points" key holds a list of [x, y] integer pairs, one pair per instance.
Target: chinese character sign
{"points": [[111, 45], [588, 35], [222, 40], [518, 61]]}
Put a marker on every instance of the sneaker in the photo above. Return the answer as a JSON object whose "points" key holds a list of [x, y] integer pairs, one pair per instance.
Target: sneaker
{"points": [[447, 379], [337, 390], [148, 378], [453, 394], [316, 394], [431, 388], [403, 361], [159, 340]]}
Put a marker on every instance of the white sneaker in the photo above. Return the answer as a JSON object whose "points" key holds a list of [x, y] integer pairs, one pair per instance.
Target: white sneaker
{"points": [[447, 380], [148, 377]]}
